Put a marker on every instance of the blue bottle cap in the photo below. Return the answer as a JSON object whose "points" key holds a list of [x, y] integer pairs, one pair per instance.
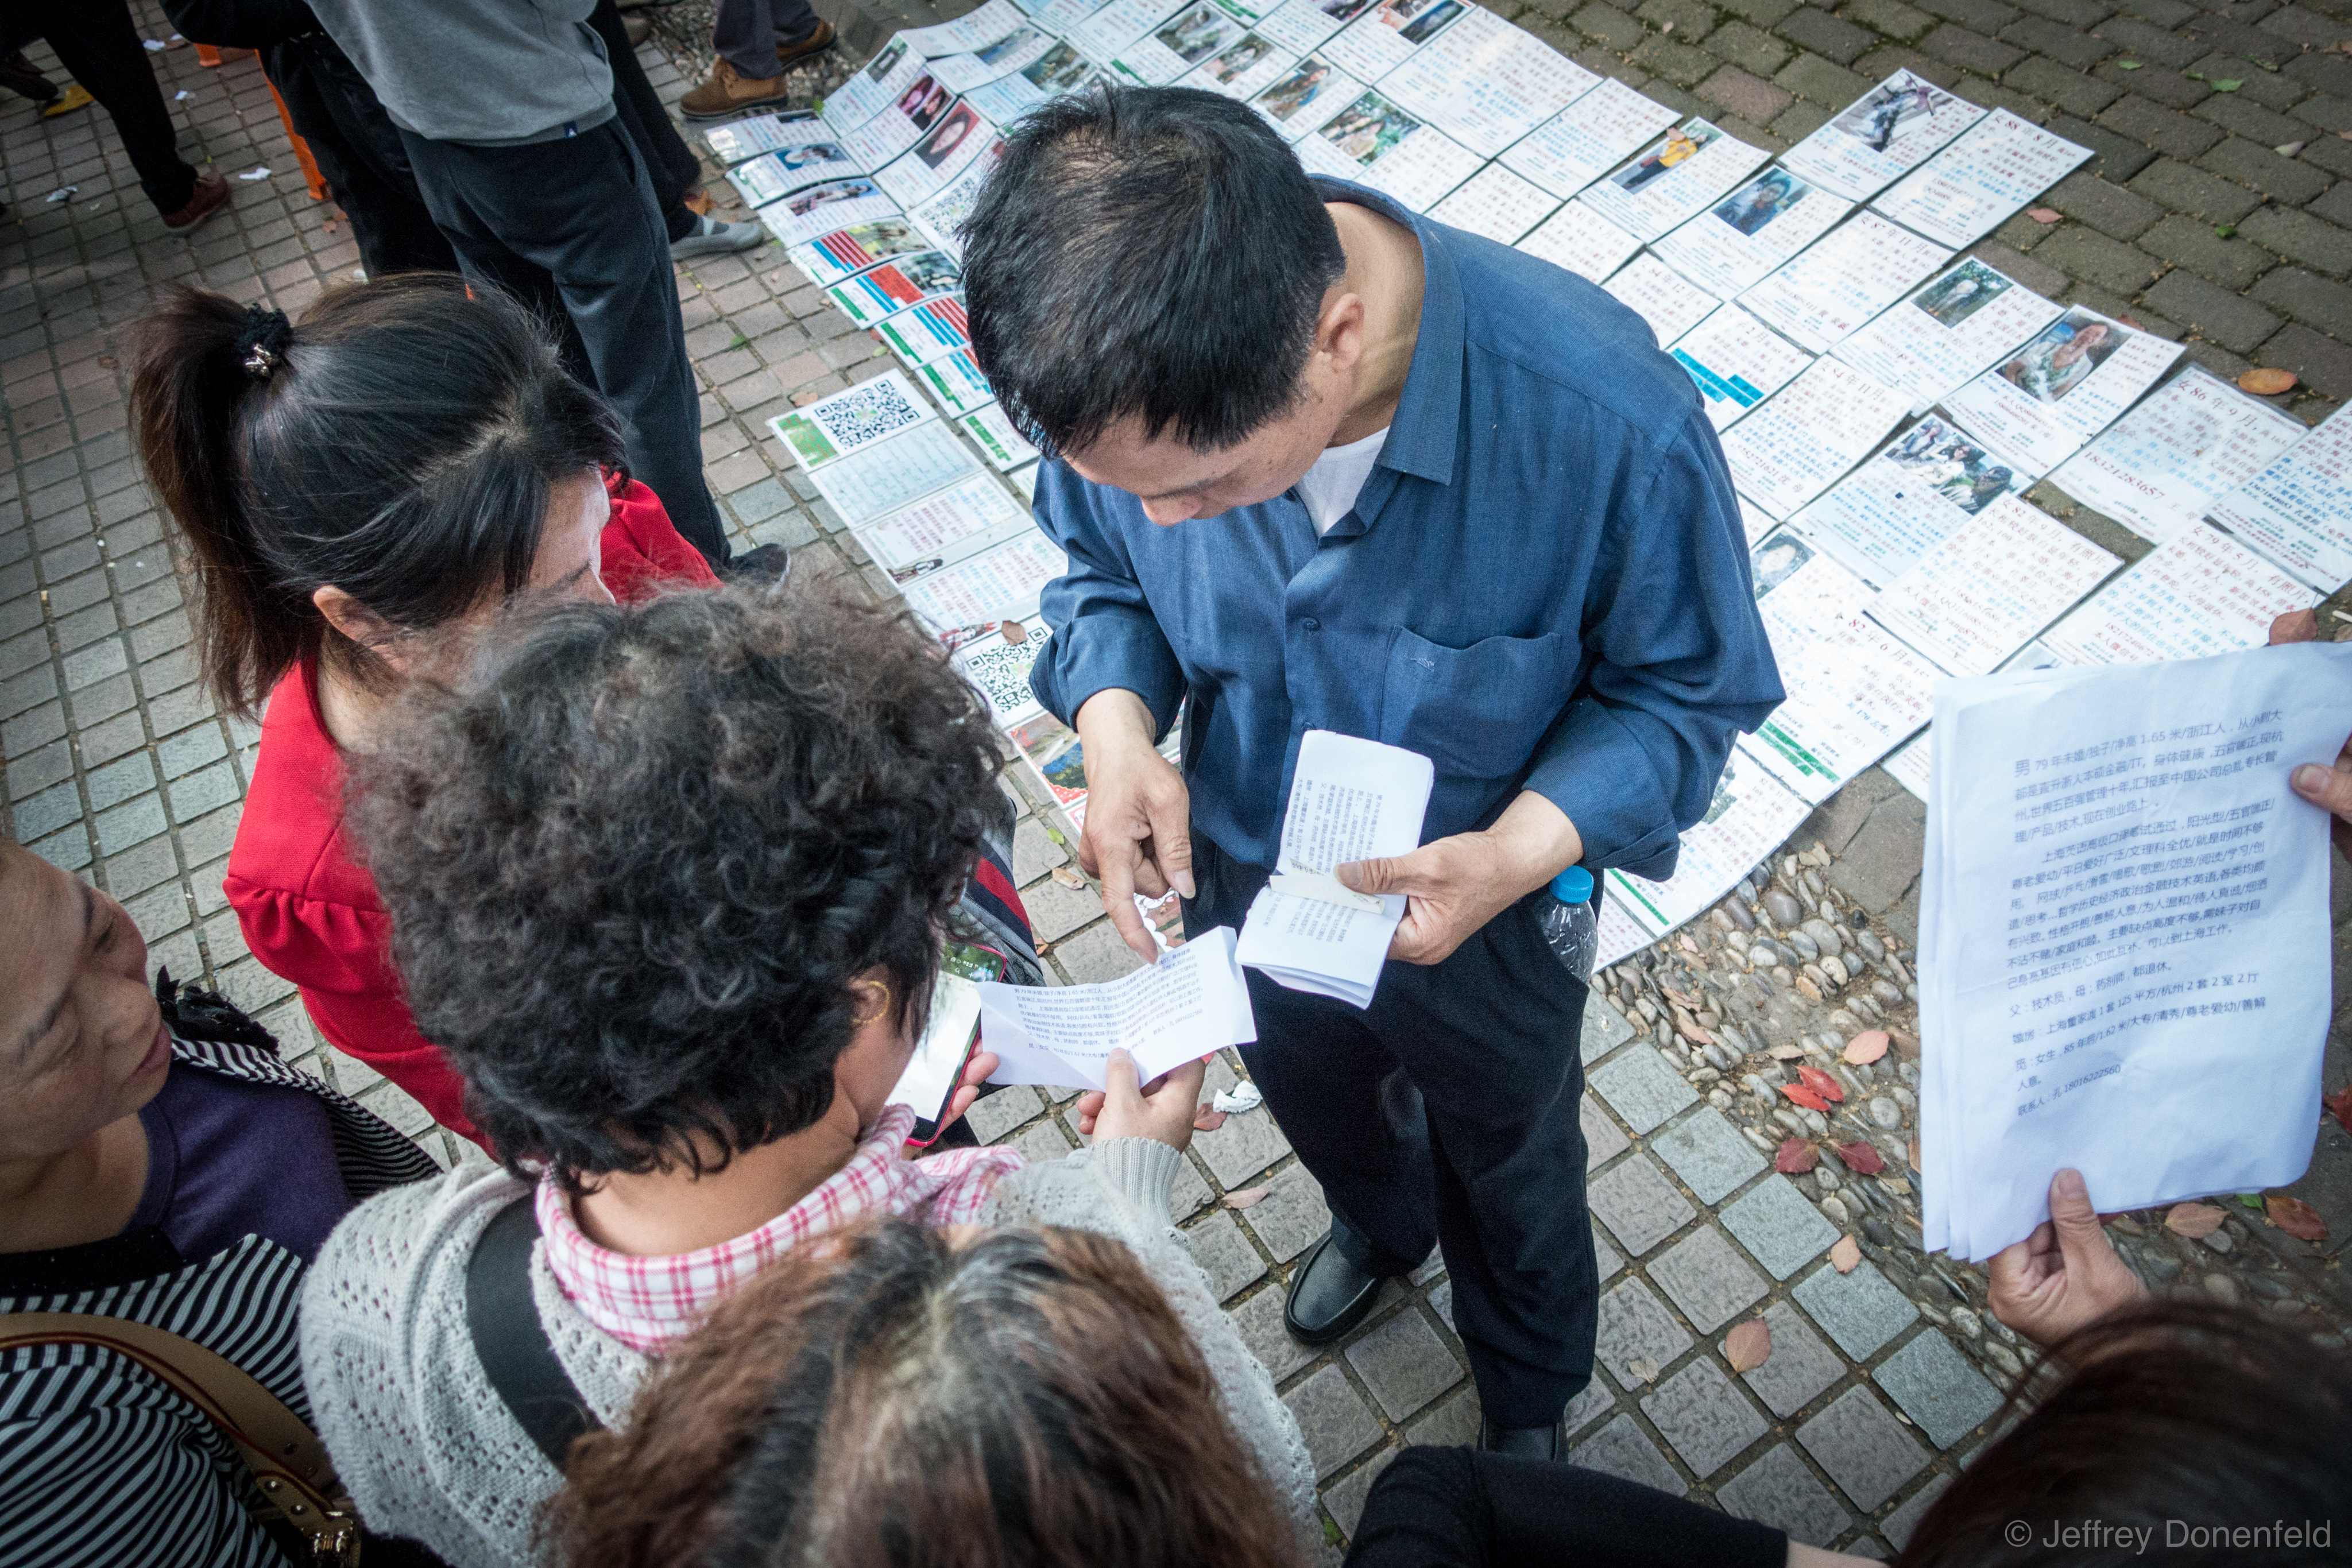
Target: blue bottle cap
{"points": [[1573, 885]]}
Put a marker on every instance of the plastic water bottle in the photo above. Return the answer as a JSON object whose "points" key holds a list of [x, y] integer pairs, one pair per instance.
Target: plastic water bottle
{"points": [[1570, 924]]}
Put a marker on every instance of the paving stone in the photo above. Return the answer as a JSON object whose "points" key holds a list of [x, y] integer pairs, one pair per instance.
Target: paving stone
{"points": [[1708, 1280], [1865, 1449], [2168, 130], [1609, 25], [1638, 1205], [1333, 1419], [1636, 1326], [2324, 363], [1603, 1029], [1292, 1215], [1000, 1112], [1259, 1322], [1800, 1366], [1899, 1524], [2216, 314], [1945, 1396], [2238, 114], [2095, 258], [1779, 1490], [1243, 1147], [2299, 237], [1620, 1449], [2307, 297], [1826, 36], [1605, 1259], [1860, 1310], [1603, 1139], [1708, 1153], [1641, 1088], [2069, 89], [1777, 1227], [1097, 955], [1703, 1418], [2288, 180], [1972, 51], [2233, 263], [1751, 48], [2186, 188], [1820, 81], [1404, 1363], [1225, 1255], [2114, 210], [1344, 1499], [1453, 1423], [2114, 155], [2143, 41]]}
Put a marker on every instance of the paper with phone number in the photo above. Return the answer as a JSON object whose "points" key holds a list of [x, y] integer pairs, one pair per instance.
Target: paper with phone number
{"points": [[1351, 800], [1192, 1002]]}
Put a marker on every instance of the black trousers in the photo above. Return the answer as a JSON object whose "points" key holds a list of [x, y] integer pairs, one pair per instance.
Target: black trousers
{"points": [[358, 149], [571, 226], [1444, 1112], [96, 40], [670, 163]]}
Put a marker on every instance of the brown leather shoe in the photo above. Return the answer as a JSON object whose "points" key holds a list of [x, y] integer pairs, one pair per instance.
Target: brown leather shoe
{"points": [[815, 44], [730, 91], [211, 195]]}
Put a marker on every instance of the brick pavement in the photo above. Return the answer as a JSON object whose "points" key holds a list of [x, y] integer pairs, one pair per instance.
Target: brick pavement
{"points": [[2189, 218]]}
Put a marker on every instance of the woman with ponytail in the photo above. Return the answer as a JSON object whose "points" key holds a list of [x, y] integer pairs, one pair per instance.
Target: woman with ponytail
{"points": [[357, 492]]}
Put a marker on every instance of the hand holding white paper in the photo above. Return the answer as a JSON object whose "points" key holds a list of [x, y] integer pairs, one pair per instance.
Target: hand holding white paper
{"points": [[1192, 1002]]}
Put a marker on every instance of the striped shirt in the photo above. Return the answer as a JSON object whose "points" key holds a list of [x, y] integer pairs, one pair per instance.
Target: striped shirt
{"points": [[648, 1303], [101, 1462]]}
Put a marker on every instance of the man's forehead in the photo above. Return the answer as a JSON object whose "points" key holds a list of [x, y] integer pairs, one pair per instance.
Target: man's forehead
{"points": [[1124, 458]]}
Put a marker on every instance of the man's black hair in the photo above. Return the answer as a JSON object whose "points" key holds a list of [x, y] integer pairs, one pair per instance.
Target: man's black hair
{"points": [[1154, 253]]}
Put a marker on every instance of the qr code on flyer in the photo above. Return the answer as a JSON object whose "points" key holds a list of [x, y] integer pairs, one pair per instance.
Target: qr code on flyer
{"points": [[1001, 671], [865, 412]]}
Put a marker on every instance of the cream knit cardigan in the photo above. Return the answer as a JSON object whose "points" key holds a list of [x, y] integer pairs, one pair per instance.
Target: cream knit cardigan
{"points": [[430, 1452]]}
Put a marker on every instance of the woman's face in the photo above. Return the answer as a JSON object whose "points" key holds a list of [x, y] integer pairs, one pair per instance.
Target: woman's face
{"points": [[82, 1042]]}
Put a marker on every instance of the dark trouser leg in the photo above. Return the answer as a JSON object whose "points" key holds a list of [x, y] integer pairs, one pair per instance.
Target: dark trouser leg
{"points": [[746, 32], [96, 41], [1484, 1046], [359, 151], [670, 165], [579, 212]]}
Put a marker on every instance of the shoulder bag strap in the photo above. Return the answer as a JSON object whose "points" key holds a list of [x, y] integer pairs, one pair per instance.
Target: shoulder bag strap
{"points": [[288, 1462], [512, 1343]]}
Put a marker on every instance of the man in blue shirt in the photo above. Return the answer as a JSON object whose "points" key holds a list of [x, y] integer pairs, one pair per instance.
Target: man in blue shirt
{"points": [[1320, 463]]}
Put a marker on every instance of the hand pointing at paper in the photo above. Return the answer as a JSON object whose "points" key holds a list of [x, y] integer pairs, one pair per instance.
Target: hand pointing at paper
{"points": [[1137, 833], [1454, 885]]}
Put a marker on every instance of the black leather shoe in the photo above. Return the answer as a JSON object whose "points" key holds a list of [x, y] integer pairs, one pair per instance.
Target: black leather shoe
{"points": [[1328, 1295], [1527, 1442]]}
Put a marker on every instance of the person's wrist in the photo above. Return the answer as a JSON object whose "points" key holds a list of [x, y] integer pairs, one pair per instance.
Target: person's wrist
{"points": [[1532, 842], [1112, 721]]}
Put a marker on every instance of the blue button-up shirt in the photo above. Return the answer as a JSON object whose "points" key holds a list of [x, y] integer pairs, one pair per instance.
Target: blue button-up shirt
{"points": [[1543, 584]]}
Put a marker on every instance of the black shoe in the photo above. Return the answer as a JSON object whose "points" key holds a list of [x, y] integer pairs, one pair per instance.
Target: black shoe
{"points": [[1328, 1295], [1527, 1442], [766, 567]]}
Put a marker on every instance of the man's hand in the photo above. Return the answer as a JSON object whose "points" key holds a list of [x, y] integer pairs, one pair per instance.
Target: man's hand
{"points": [[2066, 1274], [1454, 885], [976, 1071], [1138, 835], [1167, 1109]]}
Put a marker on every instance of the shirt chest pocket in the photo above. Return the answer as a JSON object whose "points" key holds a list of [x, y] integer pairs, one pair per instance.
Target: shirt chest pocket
{"points": [[1477, 712]]}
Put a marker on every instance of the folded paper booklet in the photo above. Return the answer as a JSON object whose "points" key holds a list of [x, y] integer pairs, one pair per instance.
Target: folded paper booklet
{"points": [[1351, 800], [1192, 1002]]}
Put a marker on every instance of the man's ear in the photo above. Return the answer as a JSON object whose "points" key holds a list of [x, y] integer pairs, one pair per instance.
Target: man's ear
{"points": [[360, 625], [1339, 330]]}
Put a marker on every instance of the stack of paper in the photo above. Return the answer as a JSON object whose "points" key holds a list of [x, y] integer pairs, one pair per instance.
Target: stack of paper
{"points": [[1351, 800], [2124, 935]]}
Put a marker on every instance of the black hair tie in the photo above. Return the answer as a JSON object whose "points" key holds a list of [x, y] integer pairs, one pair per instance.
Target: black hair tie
{"points": [[261, 341]]}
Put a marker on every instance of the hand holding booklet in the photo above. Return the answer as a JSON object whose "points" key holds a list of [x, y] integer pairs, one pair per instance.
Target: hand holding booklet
{"points": [[1191, 1002], [1351, 800]]}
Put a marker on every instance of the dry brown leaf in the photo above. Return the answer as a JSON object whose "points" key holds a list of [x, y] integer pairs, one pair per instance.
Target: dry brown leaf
{"points": [[1641, 1369], [1845, 1254], [1867, 1047], [2193, 1219], [2295, 1216], [699, 203], [1247, 1198], [1786, 1052], [2044, 215], [1070, 879], [1795, 1157], [2267, 383], [1750, 1345], [1915, 1153]]}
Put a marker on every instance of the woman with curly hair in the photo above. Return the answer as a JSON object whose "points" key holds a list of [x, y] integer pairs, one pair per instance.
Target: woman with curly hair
{"points": [[668, 883], [359, 491]]}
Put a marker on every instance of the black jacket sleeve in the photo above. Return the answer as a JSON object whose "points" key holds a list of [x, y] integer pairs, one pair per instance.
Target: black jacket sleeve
{"points": [[240, 24], [1453, 1507]]}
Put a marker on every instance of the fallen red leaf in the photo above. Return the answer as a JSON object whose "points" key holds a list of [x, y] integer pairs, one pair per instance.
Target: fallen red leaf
{"points": [[1845, 1254], [2267, 383], [2044, 215], [1804, 1096], [2295, 1216], [2192, 1220], [1796, 1157], [2294, 626], [2339, 1105], [1750, 1345], [1861, 1158], [1867, 1047], [1820, 1082]]}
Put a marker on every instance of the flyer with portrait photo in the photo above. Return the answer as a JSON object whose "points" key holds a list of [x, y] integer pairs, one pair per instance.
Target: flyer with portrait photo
{"points": [[2298, 509], [1387, 34], [2038, 406], [1176, 46], [1591, 136], [1995, 167], [1881, 136], [1685, 172], [1982, 594], [737, 140], [1881, 518], [1060, 70], [1242, 69], [773, 176], [1304, 98], [895, 286], [1828, 290], [1805, 438], [1951, 330], [845, 252], [1379, 144], [840, 203], [1731, 247], [1487, 83]]}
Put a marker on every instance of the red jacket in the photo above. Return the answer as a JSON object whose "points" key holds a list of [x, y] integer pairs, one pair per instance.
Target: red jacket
{"points": [[311, 914]]}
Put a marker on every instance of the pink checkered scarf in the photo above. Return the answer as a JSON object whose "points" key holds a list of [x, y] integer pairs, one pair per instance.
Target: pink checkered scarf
{"points": [[649, 1303]]}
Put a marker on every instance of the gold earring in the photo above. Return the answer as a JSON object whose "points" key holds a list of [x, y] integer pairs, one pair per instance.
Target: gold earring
{"points": [[883, 987]]}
